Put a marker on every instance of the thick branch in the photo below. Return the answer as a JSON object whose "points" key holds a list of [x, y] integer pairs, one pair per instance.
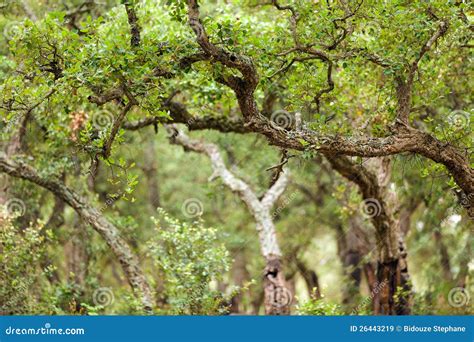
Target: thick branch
{"points": [[94, 217], [179, 114], [218, 54]]}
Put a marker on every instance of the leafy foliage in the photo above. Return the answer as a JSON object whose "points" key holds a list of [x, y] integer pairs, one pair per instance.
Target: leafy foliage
{"points": [[190, 258]]}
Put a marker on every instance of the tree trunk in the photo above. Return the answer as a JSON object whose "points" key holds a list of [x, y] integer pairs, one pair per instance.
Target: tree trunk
{"points": [[371, 277], [392, 273], [277, 296], [310, 277], [378, 204]]}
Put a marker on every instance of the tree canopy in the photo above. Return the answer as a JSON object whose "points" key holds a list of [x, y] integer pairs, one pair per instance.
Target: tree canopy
{"points": [[244, 156]]}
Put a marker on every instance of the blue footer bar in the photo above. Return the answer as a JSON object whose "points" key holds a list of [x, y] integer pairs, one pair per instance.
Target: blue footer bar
{"points": [[236, 328]]}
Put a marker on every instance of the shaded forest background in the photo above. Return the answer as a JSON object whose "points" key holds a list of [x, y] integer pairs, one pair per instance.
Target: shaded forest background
{"points": [[236, 157]]}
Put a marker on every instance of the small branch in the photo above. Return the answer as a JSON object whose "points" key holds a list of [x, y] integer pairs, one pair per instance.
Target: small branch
{"points": [[405, 87], [133, 22], [115, 128], [101, 99]]}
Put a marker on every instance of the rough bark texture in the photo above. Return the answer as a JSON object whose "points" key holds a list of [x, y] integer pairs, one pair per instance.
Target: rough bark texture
{"points": [[370, 275], [133, 23], [92, 216], [392, 267], [277, 296]]}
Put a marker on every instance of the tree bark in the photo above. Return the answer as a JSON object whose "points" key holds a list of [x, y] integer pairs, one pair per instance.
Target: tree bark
{"points": [[278, 297], [392, 267]]}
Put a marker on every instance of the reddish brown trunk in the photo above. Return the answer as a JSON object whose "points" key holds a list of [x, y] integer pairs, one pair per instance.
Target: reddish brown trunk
{"points": [[395, 287]]}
